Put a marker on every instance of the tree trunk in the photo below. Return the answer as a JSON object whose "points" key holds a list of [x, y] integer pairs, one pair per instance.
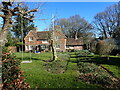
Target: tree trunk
{"points": [[0, 66], [105, 33], [76, 35], [53, 50], [3, 40]]}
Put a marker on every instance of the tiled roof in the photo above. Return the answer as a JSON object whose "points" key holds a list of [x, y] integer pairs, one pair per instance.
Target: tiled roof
{"points": [[43, 35], [46, 34], [72, 41]]}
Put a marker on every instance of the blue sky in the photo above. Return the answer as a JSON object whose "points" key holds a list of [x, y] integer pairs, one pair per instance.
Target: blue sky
{"points": [[66, 9]]}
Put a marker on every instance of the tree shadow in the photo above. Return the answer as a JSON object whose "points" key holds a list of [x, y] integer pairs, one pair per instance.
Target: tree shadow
{"points": [[100, 60]]}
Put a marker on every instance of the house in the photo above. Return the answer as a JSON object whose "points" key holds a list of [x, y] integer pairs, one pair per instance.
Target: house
{"points": [[74, 44], [40, 41]]}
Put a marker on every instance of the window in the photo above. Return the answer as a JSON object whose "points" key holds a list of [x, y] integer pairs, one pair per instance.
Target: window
{"points": [[44, 41], [43, 46], [30, 38], [57, 46], [27, 47], [71, 47], [30, 47]]}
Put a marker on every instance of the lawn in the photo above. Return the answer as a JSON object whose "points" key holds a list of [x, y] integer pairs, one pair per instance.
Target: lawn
{"points": [[113, 64], [114, 69], [37, 75]]}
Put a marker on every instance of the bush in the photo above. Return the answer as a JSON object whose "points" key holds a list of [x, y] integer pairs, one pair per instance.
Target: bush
{"points": [[87, 67], [57, 66], [12, 75], [105, 47]]}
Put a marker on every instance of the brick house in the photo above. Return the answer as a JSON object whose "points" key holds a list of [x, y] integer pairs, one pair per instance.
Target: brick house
{"points": [[74, 44], [40, 41]]}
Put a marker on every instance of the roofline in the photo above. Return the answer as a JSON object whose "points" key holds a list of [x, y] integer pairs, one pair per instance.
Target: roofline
{"points": [[27, 34]]}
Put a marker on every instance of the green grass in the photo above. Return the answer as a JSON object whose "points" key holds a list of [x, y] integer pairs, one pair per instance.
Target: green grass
{"points": [[38, 77], [114, 69], [32, 56], [113, 64]]}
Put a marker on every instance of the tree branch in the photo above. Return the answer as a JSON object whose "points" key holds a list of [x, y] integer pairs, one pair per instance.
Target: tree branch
{"points": [[33, 10], [30, 19], [2, 15]]}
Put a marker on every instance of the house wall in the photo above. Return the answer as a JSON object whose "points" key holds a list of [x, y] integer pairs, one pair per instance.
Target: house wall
{"points": [[75, 47], [34, 42], [78, 47], [62, 44], [29, 43]]}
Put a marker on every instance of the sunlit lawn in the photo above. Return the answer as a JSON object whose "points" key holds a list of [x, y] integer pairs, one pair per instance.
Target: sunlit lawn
{"points": [[114, 69], [38, 77]]}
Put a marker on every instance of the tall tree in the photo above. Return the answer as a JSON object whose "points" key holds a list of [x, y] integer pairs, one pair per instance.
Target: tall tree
{"points": [[108, 21], [10, 40], [8, 11], [74, 26], [22, 25], [65, 25]]}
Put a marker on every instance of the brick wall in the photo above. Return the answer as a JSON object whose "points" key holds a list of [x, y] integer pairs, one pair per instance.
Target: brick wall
{"points": [[27, 42], [62, 44]]}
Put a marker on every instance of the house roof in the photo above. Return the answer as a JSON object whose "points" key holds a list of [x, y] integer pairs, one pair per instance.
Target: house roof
{"points": [[43, 35], [46, 34], [72, 41]]}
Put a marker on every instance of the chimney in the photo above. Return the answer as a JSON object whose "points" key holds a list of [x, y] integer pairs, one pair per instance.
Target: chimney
{"points": [[58, 27], [36, 29]]}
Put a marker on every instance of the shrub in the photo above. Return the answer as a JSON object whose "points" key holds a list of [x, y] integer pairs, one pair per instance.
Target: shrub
{"points": [[87, 67], [105, 47], [12, 75], [57, 66]]}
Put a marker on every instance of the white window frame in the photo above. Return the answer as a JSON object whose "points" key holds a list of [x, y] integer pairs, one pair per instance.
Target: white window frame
{"points": [[27, 47], [30, 47], [44, 41], [57, 46], [30, 38]]}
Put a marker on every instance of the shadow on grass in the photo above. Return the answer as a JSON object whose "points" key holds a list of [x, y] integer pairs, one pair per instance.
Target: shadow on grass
{"points": [[100, 60]]}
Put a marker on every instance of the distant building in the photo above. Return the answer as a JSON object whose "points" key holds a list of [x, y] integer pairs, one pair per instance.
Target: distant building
{"points": [[40, 41], [76, 44]]}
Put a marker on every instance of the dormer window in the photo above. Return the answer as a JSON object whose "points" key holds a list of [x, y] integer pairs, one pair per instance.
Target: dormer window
{"points": [[30, 38]]}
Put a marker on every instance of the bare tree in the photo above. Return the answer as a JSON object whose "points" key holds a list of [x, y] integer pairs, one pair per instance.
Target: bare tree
{"points": [[53, 45], [108, 21], [74, 25]]}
